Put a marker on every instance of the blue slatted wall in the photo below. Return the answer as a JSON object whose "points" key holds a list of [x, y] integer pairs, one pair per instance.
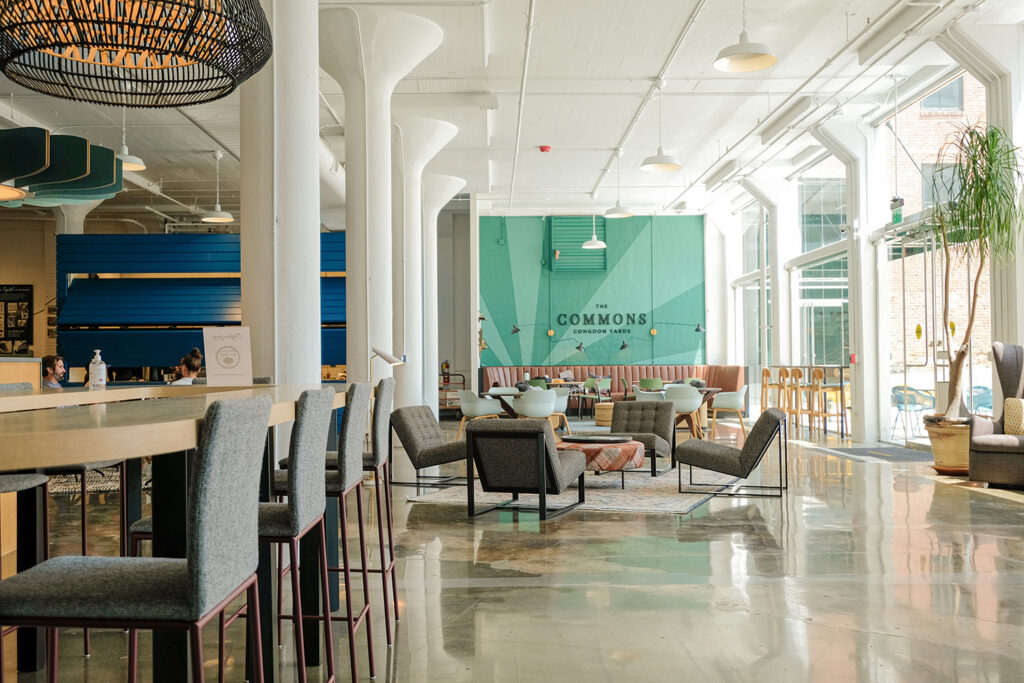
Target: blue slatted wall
{"points": [[189, 302]]}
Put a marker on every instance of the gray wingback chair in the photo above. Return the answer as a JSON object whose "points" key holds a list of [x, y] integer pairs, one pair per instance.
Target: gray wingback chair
{"points": [[996, 457], [519, 456], [652, 423]]}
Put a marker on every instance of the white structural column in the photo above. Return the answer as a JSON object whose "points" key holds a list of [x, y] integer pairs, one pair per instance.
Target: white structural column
{"points": [[281, 203], [437, 190], [779, 198], [368, 50], [71, 217], [415, 141], [995, 56], [866, 269]]}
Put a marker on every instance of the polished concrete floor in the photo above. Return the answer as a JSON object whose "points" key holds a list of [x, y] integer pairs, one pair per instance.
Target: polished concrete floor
{"points": [[865, 571]]}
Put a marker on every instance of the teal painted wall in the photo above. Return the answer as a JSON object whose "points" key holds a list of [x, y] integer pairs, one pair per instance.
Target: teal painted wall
{"points": [[655, 273]]}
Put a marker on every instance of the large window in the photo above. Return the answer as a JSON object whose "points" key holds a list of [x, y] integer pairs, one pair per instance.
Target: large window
{"points": [[753, 248], [949, 97], [823, 298], [936, 184], [822, 197]]}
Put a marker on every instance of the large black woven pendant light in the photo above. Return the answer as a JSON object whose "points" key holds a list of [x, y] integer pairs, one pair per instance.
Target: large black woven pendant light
{"points": [[133, 53]]}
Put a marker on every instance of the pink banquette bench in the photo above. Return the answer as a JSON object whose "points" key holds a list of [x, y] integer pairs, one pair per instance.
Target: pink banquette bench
{"points": [[724, 377]]}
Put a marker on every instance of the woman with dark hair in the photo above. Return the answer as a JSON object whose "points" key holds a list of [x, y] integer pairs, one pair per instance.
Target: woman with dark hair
{"points": [[189, 366]]}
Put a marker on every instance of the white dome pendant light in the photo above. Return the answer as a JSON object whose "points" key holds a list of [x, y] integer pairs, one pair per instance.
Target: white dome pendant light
{"points": [[660, 162], [129, 162], [745, 56], [593, 242], [218, 215], [618, 211]]}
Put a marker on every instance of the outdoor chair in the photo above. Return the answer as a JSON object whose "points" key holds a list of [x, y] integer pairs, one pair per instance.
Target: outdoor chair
{"points": [[519, 456], [996, 457], [737, 462], [909, 401], [222, 552], [426, 445]]}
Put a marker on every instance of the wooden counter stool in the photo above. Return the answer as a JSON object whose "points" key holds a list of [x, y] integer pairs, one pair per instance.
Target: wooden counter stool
{"points": [[766, 387]]}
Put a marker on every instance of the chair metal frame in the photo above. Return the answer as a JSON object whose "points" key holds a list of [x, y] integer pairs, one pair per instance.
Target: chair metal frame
{"points": [[545, 473], [782, 435]]}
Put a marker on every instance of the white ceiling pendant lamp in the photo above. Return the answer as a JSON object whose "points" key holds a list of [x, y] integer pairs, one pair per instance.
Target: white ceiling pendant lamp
{"points": [[660, 162], [745, 56], [593, 242], [618, 211], [218, 215], [129, 162]]}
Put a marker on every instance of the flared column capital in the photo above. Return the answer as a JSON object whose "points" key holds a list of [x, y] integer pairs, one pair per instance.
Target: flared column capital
{"points": [[373, 47], [416, 140], [437, 190]]}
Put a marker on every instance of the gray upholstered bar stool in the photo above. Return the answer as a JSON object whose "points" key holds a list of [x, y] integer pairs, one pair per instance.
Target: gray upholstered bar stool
{"points": [[378, 461], [15, 483], [287, 523], [222, 553], [339, 483], [82, 472]]}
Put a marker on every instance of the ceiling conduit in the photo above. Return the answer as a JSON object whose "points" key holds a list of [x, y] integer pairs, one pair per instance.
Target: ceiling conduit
{"points": [[522, 100]]}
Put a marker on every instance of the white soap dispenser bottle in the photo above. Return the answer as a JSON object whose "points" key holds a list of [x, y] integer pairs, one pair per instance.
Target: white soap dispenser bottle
{"points": [[97, 372]]}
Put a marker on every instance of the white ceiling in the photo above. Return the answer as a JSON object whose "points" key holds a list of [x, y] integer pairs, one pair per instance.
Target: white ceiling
{"points": [[590, 73]]}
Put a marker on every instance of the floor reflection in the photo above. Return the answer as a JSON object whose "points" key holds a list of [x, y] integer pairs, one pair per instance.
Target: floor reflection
{"points": [[863, 572]]}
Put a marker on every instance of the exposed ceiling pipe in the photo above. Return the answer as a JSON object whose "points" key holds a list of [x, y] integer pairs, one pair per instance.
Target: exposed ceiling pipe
{"points": [[522, 100], [881, 77], [650, 93], [881, 21], [207, 133]]}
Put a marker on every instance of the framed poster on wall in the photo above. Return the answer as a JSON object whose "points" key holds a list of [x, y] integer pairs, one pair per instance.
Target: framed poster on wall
{"points": [[15, 319]]}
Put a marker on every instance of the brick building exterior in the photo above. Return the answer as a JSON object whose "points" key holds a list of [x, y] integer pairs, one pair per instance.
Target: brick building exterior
{"points": [[924, 130]]}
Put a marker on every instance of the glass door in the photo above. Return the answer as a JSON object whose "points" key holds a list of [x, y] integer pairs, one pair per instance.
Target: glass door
{"points": [[913, 324]]}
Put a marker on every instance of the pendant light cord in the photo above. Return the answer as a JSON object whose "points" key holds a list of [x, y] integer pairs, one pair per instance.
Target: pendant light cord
{"points": [[217, 155], [660, 95], [124, 126], [618, 178], [744, 15]]}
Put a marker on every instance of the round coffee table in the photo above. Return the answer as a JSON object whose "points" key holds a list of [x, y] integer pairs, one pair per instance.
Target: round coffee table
{"points": [[608, 457]]}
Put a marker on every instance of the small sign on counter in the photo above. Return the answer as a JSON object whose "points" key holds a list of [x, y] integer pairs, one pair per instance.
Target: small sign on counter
{"points": [[228, 356]]}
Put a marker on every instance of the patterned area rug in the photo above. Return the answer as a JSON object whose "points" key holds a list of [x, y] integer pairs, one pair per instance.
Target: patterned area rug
{"points": [[643, 493], [96, 481]]}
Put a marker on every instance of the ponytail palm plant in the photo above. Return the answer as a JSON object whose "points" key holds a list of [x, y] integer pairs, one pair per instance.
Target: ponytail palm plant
{"points": [[983, 216]]}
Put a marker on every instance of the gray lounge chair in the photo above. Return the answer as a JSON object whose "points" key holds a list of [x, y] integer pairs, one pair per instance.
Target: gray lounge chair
{"points": [[519, 456], [738, 462], [996, 457]]}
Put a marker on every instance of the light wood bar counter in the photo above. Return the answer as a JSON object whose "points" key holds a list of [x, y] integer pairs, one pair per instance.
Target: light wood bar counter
{"points": [[80, 396], [113, 425], [58, 428]]}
